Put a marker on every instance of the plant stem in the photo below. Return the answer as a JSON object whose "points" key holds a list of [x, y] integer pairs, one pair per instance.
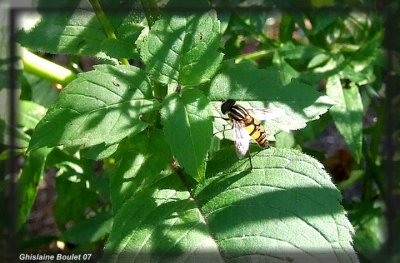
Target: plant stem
{"points": [[105, 23], [45, 68], [253, 55]]}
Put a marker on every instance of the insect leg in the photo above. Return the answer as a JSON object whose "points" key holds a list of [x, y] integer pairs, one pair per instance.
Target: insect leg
{"points": [[223, 130], [251, 163]]}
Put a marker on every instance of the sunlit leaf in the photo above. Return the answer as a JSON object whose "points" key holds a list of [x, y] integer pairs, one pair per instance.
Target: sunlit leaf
{"points": [[286, 208], [100, 106], [182, 49], [140, 161], [347, 113], [262, 88], [188, 129], [77, 31], [155, 218]]}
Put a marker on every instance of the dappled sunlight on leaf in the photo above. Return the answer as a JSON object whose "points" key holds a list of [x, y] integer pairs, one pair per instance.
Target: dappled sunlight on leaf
{"points": [[90, 110], [182, 49]]}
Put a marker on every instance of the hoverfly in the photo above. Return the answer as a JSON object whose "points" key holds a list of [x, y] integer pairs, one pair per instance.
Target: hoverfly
{"points": [[246, 124]]}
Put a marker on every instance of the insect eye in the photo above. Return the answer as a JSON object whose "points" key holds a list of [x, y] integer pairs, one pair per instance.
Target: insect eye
{"points": [[227, 105]]}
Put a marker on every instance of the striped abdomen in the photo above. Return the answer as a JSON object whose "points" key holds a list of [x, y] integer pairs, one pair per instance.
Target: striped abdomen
{"points": [[252, 125]]}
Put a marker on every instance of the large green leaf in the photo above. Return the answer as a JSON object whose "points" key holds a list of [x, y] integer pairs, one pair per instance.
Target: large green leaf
{"points": [[100, 106], [154, 217], [347, 113], [140, 161], [28, 183], [297, 103], [182, 49], [77, 31], [160, 223], [188, 128], [285, 209]]}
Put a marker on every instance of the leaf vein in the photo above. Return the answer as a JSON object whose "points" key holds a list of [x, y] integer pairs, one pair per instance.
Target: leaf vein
{"points": [[269, 237], [104, 88], [87, 96]]}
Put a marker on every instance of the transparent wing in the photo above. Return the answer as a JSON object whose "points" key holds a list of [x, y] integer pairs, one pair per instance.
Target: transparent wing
{"points": [[241, 139], [267, 114]]}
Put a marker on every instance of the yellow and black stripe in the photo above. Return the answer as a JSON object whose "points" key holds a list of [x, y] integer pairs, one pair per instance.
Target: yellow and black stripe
{"points": [[251, 124]]}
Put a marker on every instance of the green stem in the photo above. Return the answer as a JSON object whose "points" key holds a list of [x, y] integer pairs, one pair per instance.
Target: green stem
{"points": [[254, 55], [105, 23], [150, 9], [45, 68]]}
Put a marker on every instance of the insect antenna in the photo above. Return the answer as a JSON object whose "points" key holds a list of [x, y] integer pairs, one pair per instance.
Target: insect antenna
{"points": [[219, 117]]}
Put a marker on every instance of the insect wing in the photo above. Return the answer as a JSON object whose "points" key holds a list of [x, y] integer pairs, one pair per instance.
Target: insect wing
{"points": [[241, 139], [267, 114]]}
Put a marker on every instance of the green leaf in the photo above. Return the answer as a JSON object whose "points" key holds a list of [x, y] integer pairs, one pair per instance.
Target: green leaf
{"points": [[99, 152], [77, 193], [313, 129], [285, 208], [286, 72], [32, 174], [100, 106], [182, 49], [318, 60], [93, 175], [30, 114], [154, 217], [80, 33], [285, 140], [347, 113], [89, 230], [370, 236], [286, 28], [188, 129], [290, 51], [140, 161], [298, 103], [160, 223], [37, 90]]}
